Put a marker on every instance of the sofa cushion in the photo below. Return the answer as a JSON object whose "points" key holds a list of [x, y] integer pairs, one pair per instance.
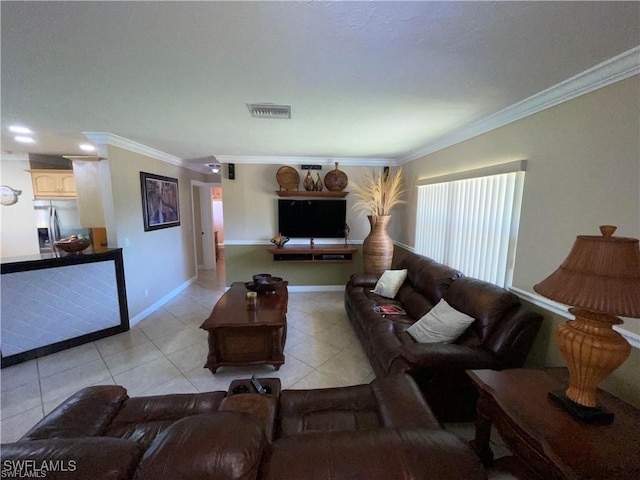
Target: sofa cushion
{"points": [[393, 401], [383, 454], [390, 282], [486, 302], [442, 323], [95, 458], [143, 418], [347, 408], [221, 445], [428, 277]]}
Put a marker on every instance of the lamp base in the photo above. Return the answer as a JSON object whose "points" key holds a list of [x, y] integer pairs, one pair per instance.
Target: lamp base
{"points": [[596, 415]]}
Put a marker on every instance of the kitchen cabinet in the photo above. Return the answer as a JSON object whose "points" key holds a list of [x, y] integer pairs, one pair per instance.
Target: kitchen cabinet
{"points": [[53, 183]]}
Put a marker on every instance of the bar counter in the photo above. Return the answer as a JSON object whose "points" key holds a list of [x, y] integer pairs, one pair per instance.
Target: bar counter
{"points": [[55, 301]]}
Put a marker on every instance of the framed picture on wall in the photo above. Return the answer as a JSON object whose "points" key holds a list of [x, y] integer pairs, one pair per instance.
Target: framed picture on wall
{"points": [[160, 207]]}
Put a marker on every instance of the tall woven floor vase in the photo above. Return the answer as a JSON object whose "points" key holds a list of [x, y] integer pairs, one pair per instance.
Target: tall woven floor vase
{"points": [[377, 248]]}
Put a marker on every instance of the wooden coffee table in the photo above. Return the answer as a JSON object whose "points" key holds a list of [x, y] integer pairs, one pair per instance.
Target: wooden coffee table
{"points": [[238, 336], [545, 437]]}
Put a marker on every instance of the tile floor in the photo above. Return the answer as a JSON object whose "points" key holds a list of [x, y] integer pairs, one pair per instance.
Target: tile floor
{"points": [[166, 351]]}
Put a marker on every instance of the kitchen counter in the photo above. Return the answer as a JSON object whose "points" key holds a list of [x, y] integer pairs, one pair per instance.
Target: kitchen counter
{"points": [[56, 258], [55, 301]]}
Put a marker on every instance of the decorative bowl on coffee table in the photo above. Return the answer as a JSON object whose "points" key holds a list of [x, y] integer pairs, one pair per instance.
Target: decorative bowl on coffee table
{"points": [[264, 284]]}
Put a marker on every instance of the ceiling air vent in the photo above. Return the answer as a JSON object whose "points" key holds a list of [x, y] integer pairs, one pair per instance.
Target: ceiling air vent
{"points": [[269, 110]]}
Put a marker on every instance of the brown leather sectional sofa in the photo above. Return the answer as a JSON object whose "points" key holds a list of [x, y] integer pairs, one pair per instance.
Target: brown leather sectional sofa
{"points": [[500, 337], [383, 430]]}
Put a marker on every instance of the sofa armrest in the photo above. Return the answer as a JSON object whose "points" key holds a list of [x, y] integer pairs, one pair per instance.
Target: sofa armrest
{"points": [[445, 355], [364, 279], [401, 404], [87, 413], [389, 453], [97, 458], [514, 337]]}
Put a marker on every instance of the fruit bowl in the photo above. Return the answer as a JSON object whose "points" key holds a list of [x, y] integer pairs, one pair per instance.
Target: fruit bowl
{"points": [[73, 246]]}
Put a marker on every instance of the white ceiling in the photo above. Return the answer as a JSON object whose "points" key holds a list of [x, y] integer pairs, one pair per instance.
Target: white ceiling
{"points": [[365, 79]]}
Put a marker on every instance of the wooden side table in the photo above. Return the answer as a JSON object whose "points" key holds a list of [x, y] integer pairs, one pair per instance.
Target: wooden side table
{"points": [[546, 438]]}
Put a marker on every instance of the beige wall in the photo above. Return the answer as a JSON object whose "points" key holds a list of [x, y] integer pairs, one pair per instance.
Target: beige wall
{"points": [[243, 261], [18, 223], [156, 262], [583, 171]]}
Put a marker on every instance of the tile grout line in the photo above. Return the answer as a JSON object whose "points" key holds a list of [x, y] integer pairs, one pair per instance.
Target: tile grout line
{"points": [[105, 363]]}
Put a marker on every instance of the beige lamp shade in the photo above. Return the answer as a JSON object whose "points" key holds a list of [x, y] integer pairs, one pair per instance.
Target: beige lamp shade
{"points": [[601, 274]]}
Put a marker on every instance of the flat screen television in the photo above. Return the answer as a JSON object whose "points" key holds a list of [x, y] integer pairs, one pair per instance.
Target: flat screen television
{"points": [[312, 218]]}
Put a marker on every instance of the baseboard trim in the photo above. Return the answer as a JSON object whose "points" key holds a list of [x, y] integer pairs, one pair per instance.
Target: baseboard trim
{"points": [[315, 288], [155, 306]]}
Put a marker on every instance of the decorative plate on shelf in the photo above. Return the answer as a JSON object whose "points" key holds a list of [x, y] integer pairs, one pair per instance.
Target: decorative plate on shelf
{"points": [[288, 178]]}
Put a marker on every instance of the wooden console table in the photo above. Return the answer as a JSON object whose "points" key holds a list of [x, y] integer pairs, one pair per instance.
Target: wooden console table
{"points": [[317, 253], [546, 438]]}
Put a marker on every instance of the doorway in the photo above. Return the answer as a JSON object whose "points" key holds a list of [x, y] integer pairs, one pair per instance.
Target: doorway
{"points": [[208, 224]]}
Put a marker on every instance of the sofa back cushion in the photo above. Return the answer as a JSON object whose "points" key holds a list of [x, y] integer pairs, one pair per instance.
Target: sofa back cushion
{"points": [[484, 301], [426, 282], [143, 418]]}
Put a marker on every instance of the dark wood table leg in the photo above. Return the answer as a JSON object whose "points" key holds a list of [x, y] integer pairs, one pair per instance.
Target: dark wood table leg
{"points": [[483, 431], [212, 358]]}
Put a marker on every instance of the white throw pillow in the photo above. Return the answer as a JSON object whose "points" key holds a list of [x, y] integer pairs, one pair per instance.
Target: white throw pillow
{"points": [[390, 282], [442, 323]]}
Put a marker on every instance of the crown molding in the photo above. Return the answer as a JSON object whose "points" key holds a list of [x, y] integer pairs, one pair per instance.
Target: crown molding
{"points": [[101, 139], [15, 157], [346, 161], [610, 71], [105, 138]]}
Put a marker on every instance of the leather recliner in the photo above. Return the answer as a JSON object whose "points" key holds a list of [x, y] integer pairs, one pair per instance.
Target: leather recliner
{"points": [[500, 337], [383, 430]]}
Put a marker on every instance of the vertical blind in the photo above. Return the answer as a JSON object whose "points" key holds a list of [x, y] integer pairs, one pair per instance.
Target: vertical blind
{"points": [[472, 224]]}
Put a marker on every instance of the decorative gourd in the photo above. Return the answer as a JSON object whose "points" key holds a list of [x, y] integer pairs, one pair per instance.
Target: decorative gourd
{"points": [[309, 184], [336, 180]]}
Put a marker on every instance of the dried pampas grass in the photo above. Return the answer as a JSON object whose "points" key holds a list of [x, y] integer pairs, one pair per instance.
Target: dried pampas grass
{"points": [[377, 194]]}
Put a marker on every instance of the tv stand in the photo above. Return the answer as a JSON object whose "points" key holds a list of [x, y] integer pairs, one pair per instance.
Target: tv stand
{"points": [[313, 254]]}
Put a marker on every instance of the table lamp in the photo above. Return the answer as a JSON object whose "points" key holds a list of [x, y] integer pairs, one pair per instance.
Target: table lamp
{"points": [[600, 279]]}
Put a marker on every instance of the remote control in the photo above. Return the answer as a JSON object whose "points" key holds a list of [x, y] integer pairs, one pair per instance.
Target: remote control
{"points": [[257, 385]]}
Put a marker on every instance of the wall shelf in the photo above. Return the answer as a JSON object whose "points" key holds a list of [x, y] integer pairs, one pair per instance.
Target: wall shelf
{"points": [[315, 254], [304, 193]]}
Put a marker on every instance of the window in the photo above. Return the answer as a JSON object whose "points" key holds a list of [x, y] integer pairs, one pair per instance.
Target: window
{"points": [[469, 221]]}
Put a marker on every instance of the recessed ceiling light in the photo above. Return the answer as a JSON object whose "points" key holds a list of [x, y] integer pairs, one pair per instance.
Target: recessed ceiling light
{"points": [[23, 139], [87, 148], [19, 129], [214, 167]]}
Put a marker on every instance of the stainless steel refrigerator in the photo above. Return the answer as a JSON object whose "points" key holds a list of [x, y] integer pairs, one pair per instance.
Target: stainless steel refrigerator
{"points": [[56, 219]]}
